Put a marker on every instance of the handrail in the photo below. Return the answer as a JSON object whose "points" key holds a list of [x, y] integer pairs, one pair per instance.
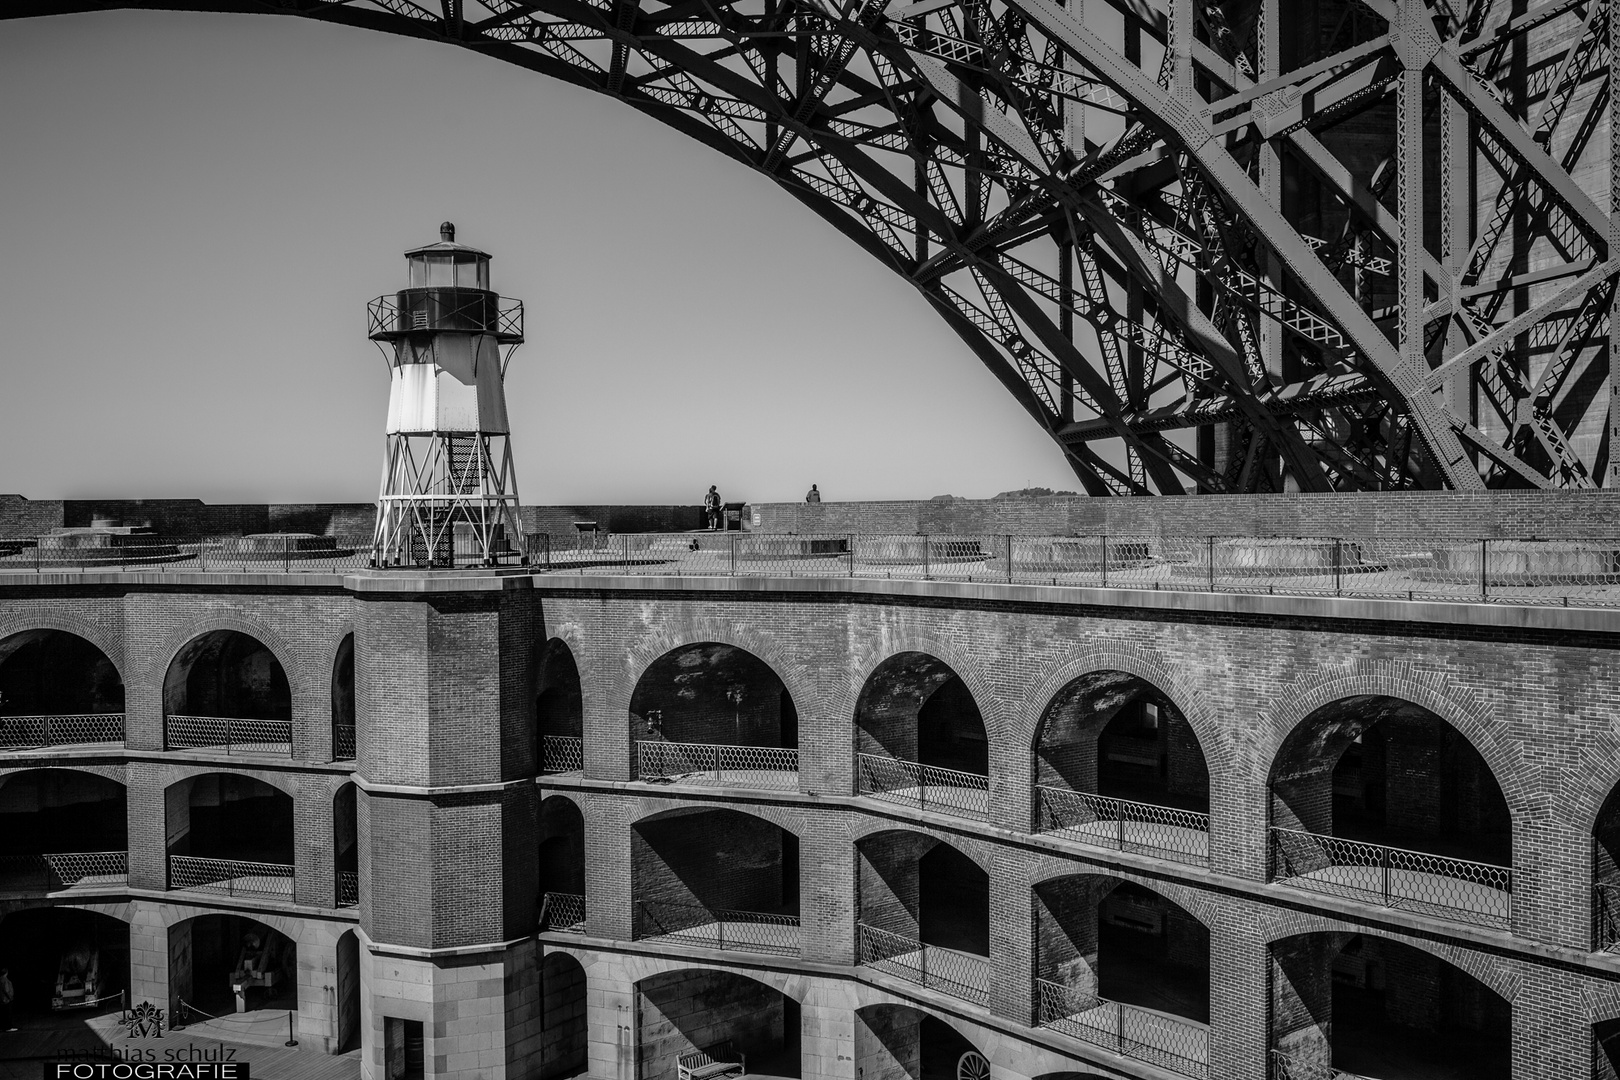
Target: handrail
{"points": [[720, 928], [1165, 831], [1171, 1042], [231, 733], [235, 877], [1435, 885], [717, 764], [60, 729], [927, 787], [959, 974], [1499, 570]]}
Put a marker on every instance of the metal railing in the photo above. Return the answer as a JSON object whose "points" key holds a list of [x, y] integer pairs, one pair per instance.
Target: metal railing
{"points": [[1284, 1067], [562, 913], [1163, 831], [231, 734], [1170, 1042], [343, 743], [61, 729], [562, 754], [1509, 570], [1606, 915], [348, 888], [718, 928], [62, 870], [718, 764], [1435, 885], [927, 787], [234, 877], [1513, 570], [959, 974]]}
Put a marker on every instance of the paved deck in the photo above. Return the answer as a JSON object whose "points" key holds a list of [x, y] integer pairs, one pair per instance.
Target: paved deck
{"points": [[773, 779], [940, 799], [53, 1036], [1167, 841]]}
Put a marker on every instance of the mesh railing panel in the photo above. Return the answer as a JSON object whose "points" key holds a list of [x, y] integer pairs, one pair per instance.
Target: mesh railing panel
{"points": [[1435, 885], [234, 877], [348, 888], [562, 913], [1284, 1067], [1606, 915], [63, 870], [562, 753], [232, 734], [343, 742], [719, 928], [1163, 831], [1556, 572], [1170, 1042], [718, 764], [927, 787], [63, 729], [961, 975]]}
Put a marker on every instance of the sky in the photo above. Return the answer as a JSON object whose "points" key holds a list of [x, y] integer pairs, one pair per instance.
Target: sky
{"points": [[196, 209]]}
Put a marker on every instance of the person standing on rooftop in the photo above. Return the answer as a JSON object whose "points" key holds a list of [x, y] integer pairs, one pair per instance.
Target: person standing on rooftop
{"points": [[812, 496], [711, 507]]}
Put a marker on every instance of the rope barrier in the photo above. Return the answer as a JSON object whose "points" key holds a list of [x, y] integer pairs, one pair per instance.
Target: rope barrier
{"points": [[188, 1008]]}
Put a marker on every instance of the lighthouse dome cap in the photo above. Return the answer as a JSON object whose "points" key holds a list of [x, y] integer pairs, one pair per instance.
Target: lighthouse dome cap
{"points": [[447, 243]]}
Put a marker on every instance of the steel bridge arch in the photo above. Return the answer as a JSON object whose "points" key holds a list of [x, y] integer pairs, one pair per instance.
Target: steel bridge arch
{"points": [[1029, 178]]}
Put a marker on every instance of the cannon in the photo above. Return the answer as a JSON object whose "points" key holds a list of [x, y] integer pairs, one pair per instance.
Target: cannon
{"points": [[78, 978], [258, 964]]}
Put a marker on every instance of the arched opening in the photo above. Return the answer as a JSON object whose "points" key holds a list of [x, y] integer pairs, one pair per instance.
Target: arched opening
{"points": [[343, 701], [714, 714], [64, 829], [1381, 800], [717, 878], [562, 866], [694, 1017], [346, 846], [920, 738], [1117, 765], [559, 710], [923, 913], [897, 1042], [1113, 958], [1370, 1006], [227, 689], [220, 964], [231, 834], [564, 1034], [347, 990], [64, 963], [57, 689]]}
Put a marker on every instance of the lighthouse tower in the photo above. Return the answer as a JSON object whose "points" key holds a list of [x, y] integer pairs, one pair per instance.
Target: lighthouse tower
{"points": [[449, 495]]}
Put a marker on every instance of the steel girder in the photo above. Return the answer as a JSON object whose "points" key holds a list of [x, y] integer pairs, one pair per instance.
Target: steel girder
{"points": [[1247, 245]]}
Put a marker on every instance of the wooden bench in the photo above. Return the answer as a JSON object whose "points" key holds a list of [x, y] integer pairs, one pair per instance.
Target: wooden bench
{"points": [[720, 1060]]}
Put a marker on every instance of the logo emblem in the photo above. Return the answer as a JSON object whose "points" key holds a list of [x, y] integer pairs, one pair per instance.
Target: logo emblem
{"points": [[144, 1021]]}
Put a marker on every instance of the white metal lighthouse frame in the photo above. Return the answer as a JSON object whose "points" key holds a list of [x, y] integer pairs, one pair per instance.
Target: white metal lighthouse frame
{"points": [[449, 489]]}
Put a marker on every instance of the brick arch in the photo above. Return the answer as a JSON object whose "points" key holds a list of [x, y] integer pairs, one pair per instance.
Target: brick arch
{"points": [[110, 644], [120, 910], [1276, 925], [784, 818], [895, 640], [1580, 793], [1193, 901], [998, 1051], [289, 926], [981, 852], [300, 682], [687, 630], [116, 773], [565, 796], [640, 968], [285, 783], [1434, 691], [329, 656], [1602, 1001], [1144, 663]]}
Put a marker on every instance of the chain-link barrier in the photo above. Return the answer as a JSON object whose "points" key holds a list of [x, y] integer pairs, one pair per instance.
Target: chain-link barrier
{"points": [[1162, 831], [234, 877], [1170, 1042], [926, 787], [715, 764], [61, 729], [562, 913], [562, 753], [959, 974], [718, 928], [1435, 885], [63, 870], [233, 735]]}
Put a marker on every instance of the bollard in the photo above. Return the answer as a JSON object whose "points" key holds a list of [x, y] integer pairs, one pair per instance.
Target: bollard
{"points": [[290, 1040]]}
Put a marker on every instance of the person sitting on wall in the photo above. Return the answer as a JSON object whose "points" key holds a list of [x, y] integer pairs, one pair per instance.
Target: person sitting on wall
{"points": [[711, 507], [812, 496]]}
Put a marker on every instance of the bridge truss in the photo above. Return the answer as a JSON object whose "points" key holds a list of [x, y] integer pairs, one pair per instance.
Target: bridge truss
{"points": [[1253, 245]]}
